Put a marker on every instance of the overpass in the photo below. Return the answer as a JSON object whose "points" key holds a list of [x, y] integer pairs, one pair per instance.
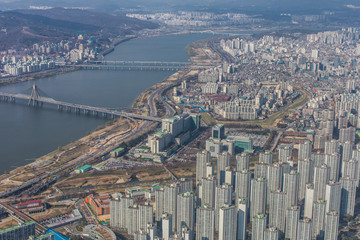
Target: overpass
{"points": [[133, 65], [36, 100]]}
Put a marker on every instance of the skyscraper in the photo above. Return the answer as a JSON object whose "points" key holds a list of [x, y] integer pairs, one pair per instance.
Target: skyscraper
{"points": [[202, 158], [321, 178], [227, 222], [170, 202], [222, 162], [125, 203], [318, 219], [333, 196], [348, 194], [223, 195], [166, 221], [332, 225], [261, 170], [351, 168], [309, 200], [277, 210], [285, 151], [292, 219], [333, 161], [146, 215], [133, 219], [242, 216], [258, 226], [242, 161], [159, 204], [205, 223], [291, 188], [271, 233], [305, 171], [242, 184], [266, 157], [185, 211], [304, 229], [274, 179], [304, 150], [208, 191], [332, 146], [258, 197]]}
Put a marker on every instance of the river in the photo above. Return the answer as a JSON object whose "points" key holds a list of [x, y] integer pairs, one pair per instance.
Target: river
{"points": [[28, 133]]}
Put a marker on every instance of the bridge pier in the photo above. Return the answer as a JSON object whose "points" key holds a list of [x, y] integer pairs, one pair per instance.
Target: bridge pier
{"points": [[95, 113], [12, 99], [68, 109], [60, 107], [77, 110], [104, 115]]}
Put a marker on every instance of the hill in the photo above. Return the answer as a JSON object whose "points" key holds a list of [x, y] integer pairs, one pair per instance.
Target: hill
{"points": [[22, 28]]}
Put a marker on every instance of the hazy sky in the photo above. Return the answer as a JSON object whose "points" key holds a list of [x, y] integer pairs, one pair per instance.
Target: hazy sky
{"points": [[109, 5]]}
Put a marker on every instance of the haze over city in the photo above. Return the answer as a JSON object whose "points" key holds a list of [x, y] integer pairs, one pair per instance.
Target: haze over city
{"points": [[164, 120]]}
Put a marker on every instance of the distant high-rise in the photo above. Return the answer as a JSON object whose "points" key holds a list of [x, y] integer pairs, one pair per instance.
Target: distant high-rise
{"points": [[202, 158], [321, 178], [347, 134], [266, 157], [346, 150], [242, 218], [304, 229], [166, 222], [222, 163], [309, 200], [271, 233], [133, 219], [277, 210], [318, 159], [285, 152], [185, 211], [261, 170], [227, 222], [146, 215], [331, 225], [258, 226], [242, 184], [205, 223], [333, 196], [229, 176], [275, 178], [291, 188], [333, 161], [209, 169], [292, 219], [258, 197], [351, 169], [218, 131], [318, 219], [305, 172], [348, 195], [185, 185], [159, 204], [332, 146], [115, 208], [208, 191], [170, 202], [223, 196], [242, 161], [304, 150]]}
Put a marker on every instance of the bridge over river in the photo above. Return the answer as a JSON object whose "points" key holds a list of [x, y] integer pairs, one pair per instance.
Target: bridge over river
{"points": [[133, 65], [36, 100]]}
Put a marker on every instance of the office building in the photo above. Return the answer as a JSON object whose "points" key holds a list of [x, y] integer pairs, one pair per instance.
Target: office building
{"points": [[218, 131]]}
